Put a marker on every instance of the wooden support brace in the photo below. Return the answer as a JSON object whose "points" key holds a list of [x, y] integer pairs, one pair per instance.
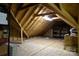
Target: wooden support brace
{"points": [[78, 34], [32, 16], [68, 17], [33, 31], [18, 23], [37, 20], [34, 20], [21, 13], [27, 15], [64, 15], [28, 5], [22, 36]]}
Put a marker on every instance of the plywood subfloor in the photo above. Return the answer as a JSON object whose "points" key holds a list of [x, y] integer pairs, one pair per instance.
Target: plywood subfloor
{"points": [[39, 46]]}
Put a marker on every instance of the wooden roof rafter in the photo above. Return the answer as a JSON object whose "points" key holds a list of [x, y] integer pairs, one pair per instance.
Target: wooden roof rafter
{"points": [[14, 24], [31, 18], [12, 14], [20, 14], [27, 15], [43, 14], [66, 16], [28, 5], [34, 20]]}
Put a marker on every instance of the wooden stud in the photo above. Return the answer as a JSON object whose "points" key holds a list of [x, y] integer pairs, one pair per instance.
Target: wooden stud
{"points": [[65, 21], [53, 7], [30, 25], [69, 18], [28, 5], [34, 27], [18, 22], [27, 15], [43, 14], [20, 14], [37, 19], [78, 35], [32, 16], [14, 8], [14, 24], [41, 26], [21, 36], [32, 22]]}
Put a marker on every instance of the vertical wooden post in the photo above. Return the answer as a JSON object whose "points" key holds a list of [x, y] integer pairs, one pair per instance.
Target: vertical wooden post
{"points": [[78, 34], [21, 35]]}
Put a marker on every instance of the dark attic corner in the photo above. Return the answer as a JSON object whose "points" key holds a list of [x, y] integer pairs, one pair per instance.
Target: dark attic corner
{"points": [[39, 29]]}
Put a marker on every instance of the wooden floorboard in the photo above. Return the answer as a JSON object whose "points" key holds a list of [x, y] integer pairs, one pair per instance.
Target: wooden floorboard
{"points": [[39, 46]]}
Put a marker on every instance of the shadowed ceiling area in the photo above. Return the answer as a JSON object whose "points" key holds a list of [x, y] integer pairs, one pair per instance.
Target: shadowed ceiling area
{"points": [[36, 19]]}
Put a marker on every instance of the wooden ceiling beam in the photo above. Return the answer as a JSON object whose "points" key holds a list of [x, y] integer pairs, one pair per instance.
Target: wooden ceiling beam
{"points": [[36, 22], [30, 29], [28, 5], [43, 14], [15, 25], [27, 15], [78, 34], [40, 28], [20, 14], [12, 14], [35, 26], [14, 8], [30, 25], [31, 18], [69, 18], [66, 16]]}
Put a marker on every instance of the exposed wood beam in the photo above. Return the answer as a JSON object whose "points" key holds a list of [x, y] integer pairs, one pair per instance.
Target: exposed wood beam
{"points": [[65, 21], [68, 16], [34, 28], [14, 8], [44, 27], [43, 14], [15, 25], [40, 28], [18, 23], [20, 14], [27, 15], [21, 36], [36, 22], [31, 18], [30, 29], [62, 14], [78, 34], [29, 5], [30, 25]]}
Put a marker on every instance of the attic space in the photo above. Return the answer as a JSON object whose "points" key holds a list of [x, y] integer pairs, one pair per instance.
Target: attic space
{"points": [[40, 29]]}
